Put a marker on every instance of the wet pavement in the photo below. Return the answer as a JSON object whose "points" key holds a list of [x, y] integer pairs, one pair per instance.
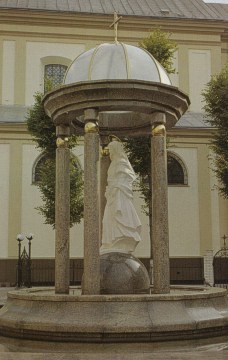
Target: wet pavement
{"points": [[201, 349]]}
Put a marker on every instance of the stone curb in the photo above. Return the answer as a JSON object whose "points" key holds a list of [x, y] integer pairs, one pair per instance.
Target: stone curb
{"points": [[116, 356]]}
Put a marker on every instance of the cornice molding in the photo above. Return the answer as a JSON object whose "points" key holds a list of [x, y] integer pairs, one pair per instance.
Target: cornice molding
{"points": [[185, 132], [94, 38], [14, 127], [92, 21], [16, 130]]}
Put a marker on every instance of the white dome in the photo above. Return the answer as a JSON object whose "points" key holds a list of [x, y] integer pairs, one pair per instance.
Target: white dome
{"points": [[114, 62]]}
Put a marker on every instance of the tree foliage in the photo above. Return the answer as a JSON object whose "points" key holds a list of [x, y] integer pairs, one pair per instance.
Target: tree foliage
{"points": [[42, 130], [158, 43], [216, 109]]}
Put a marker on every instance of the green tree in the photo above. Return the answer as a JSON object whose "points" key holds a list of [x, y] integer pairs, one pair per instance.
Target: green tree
{"points": [[42, 130], [159, 44], [216, 109]]}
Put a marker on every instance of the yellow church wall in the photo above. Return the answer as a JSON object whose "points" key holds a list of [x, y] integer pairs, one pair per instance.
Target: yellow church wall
{"points": [[184, 227], [197, 215], [32, 221], [35, 51], [1, 67], [199, 75], [215, 213], [29, 72], [36, 40], [20, 68], [4, 195], [15, 195], [8, 72], [204, 199]]}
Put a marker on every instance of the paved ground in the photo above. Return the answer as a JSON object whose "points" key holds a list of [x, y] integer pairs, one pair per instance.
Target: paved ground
{"points": [[3, 295], [113, 356], [207, 349]]}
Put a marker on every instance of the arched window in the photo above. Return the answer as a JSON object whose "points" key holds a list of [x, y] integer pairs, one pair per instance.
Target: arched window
{"points": [[39, 163], [53, 74], [37, 167], [176, 170]]}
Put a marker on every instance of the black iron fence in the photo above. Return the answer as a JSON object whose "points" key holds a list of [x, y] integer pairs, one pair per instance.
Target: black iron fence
{"points": [[220, 266], [43, 272], [182, 271], [187, 271]]}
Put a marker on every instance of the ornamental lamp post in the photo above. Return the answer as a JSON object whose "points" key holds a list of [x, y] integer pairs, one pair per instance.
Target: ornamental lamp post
{"points": [[20, 238], [29, 237]]}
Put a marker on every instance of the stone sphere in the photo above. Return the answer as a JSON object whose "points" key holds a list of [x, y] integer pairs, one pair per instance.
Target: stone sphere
{"points": [[123, 273]]}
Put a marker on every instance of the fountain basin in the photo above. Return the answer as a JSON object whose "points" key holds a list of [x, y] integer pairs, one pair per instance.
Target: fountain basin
{"points": [[187, 312]]}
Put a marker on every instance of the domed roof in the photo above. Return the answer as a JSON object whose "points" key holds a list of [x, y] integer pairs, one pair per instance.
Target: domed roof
{"points": [[114, 62]]}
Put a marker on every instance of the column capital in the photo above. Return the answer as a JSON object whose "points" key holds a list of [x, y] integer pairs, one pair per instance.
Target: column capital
{"points": [[91, 127], [62, 142], [158, 130]]}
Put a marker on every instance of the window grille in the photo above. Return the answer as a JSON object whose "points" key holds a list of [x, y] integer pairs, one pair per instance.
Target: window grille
{"points": [[176, 170], [53, 75]]}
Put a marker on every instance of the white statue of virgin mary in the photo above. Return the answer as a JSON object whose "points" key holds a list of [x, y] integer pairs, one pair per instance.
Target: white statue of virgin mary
{"points": [[121, 224]]}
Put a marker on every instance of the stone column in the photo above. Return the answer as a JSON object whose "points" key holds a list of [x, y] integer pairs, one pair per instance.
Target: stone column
{"points": [[160, 235], [91, 276], [62, 212], [104, 165]]}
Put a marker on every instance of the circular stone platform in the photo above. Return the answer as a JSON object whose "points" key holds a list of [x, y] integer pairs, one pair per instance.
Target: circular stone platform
{"points": [[185, 313]]}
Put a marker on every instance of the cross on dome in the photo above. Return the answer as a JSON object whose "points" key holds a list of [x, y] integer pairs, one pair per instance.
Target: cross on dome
{"points": [[115, 25]]}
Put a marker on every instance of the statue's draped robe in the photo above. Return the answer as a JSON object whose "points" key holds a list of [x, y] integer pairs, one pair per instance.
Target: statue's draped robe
{"points": [[121, 224]]}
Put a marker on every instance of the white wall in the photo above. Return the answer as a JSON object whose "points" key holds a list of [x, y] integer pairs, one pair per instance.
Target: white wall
{"points": [[184, 227], [35, 51], [31, 220], [8, 72], [4, 197], [199, 75], [216, 236], [175, 77], [43, 244]]}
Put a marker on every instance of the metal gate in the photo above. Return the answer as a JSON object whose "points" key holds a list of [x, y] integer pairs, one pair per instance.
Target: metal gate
{"points": [[220, 266], [24, 270]]}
